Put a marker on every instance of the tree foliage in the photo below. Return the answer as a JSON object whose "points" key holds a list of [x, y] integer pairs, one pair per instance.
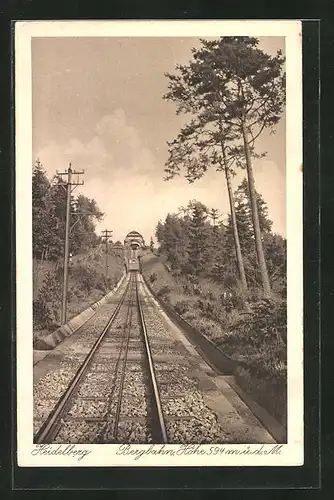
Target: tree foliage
{"points": [[233, 91], [84, 212], [173, 237], [49, 218], [231, 79], [151, 244], [198, 233], [244, 218], [274, 244], [195, 247]]}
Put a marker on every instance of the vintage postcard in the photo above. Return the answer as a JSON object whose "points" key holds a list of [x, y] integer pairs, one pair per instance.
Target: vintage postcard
{"points": [[159, 243]]}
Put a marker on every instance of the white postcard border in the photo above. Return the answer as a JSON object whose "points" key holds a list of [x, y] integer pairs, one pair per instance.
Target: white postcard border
{"points": [[111, 455]]}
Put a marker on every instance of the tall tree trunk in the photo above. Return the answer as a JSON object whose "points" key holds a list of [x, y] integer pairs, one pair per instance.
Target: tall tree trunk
{"points": [[238, 253], [255, 215]]}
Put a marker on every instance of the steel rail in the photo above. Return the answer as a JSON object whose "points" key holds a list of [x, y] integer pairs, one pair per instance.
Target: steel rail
{"points": [[156, 394], [48, 430]]}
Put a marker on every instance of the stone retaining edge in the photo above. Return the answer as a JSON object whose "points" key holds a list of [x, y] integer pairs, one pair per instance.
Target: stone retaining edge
{"points": [[276, 429], [53, 339]]}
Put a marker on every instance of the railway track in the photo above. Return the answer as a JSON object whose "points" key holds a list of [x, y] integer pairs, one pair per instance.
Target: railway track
{"points": [[112, 363], [136, 381]]}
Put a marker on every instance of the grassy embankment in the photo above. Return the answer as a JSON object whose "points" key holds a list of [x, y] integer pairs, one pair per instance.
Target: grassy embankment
{"points": [[87, 285], [255, 339]]}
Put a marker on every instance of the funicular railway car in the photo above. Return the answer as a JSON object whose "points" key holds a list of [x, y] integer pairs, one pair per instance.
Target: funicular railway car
{"points": [[134, 265], [133, 243]]}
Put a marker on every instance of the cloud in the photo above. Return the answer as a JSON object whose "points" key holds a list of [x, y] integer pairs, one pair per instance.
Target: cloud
{"points": [[92, 157], [114, 128], [116, 146], [118, 167], [123, 176]]}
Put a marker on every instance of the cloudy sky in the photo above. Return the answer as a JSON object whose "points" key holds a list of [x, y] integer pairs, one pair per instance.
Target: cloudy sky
{"points": [[97, 103]]}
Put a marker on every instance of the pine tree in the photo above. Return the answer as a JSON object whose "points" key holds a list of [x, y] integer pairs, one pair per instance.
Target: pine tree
{"points": [[49, 212], [244, 220], [232, 83], [202, 144], [43, 214], [84, 212], [214, 215], [173, 239], [244, 216], [159, 233], [275, 248], [198, 241]]}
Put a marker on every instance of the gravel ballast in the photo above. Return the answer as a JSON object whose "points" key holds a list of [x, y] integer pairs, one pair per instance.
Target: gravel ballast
{"points": [[100, 397]]}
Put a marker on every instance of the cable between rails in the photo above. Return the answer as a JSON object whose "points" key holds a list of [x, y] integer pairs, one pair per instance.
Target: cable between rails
{"points": [[49, 429], [123, 370]]}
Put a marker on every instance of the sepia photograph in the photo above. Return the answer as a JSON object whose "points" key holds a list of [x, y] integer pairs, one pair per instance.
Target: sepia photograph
{"points": [[159, 243]]}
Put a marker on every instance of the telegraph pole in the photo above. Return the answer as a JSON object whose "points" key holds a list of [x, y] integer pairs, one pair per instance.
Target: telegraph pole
{"points": [[69, 186], [106, 234]]}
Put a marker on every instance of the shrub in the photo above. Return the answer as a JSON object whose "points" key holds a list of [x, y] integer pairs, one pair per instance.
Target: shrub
{"points": [[230, 281], [194, 280], [258, 338], [87, 277], [46, 307], [206, 307], [182, 306], [163, 291], [190, 316], [208, 327], [101, 285], [52, 287], [42, 317], [153, 277], [265, 321]]}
